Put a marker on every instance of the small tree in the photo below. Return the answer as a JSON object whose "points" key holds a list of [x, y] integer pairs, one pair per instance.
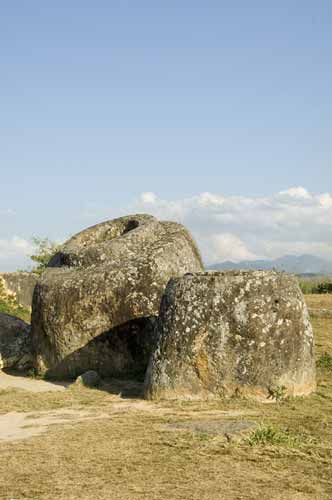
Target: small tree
{"points": [[45, 250]]}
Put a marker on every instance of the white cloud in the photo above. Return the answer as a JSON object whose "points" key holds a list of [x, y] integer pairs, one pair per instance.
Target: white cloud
{"points": [[148, 198], [14, 253], [7, 211], [297, 193], [15, 247], [279, 248], [237, 228], [325, 200], [225, 246], [208, 199]]}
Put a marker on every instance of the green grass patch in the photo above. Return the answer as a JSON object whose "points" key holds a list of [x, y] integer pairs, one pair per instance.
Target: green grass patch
{"points": [[277, 393], [272, 436], [325, 361], [15, 310]]}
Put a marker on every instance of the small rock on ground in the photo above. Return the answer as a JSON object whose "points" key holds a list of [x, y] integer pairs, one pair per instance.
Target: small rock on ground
{"points": [[89, 379]]}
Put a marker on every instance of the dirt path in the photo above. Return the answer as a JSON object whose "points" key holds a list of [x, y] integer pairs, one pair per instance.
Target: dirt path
{"points": [[18, 425], [22, 425], [28, 384], [15, 426]]}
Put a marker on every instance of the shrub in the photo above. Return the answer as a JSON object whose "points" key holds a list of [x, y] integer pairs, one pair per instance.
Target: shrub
{"points": [[325, 287], [45, 250]]}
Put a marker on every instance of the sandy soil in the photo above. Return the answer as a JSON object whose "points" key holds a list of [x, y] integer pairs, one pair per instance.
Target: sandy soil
{"points": [[29, 384], [15, 426]]}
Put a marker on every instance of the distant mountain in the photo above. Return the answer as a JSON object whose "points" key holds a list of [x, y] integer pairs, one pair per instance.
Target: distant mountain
{"points": [[302, 264]]}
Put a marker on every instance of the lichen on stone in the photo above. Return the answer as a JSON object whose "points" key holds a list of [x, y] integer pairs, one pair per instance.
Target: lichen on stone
{"points": [[104, 282], [232, 333]]}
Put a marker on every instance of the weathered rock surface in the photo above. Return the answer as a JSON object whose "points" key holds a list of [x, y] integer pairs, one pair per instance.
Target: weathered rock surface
{"points": [[244, 333], [15, 343], [21, 286], [95, 306], [89, 379]]}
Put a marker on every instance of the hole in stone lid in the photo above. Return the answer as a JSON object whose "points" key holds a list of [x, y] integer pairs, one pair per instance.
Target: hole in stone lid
{"points": [[132, 224]]}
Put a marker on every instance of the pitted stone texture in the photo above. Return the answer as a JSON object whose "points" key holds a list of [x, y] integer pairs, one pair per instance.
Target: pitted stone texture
{"points": [[15, 343], [235, 333], [95, 306]]}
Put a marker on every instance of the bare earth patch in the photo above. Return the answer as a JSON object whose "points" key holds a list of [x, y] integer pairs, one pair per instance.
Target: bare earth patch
{"points": [[28, 384], [86, 444], [15, 426]]}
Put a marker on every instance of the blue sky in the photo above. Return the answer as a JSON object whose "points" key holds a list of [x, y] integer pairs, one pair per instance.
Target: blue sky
{"points": [[103, 101]]}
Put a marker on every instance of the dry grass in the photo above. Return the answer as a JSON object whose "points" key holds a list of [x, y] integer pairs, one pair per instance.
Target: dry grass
{"points": [[20, 400], [319, 301], [133, 455]]}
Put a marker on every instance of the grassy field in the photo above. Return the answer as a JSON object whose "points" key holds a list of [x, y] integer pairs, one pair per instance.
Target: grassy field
{"points": [[314, 285], [143, 450]]}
